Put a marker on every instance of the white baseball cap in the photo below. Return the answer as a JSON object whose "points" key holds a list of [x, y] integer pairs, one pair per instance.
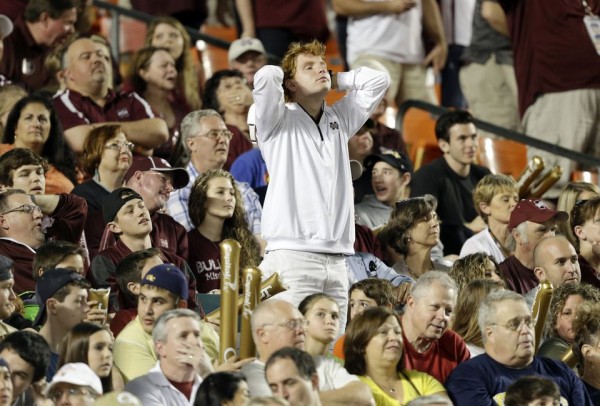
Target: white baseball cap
{"points": [[6, 26], [243, 45], [77, 373]]}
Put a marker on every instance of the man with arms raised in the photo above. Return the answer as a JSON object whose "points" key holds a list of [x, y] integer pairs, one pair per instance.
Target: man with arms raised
{"points": [[429, 345], [508, 338], [309, 215]]}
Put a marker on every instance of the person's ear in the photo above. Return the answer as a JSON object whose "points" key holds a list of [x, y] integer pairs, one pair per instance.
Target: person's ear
{"points": [[52, 306], [4, 223], [191, 144], [134, 288], [586, 350], [484, 208], [488, 333], [405, 179], [540, 273], [183, 304], [579, 233], [290, 85], [444, 146], [160, 348], [114, 227], [315, 381]]}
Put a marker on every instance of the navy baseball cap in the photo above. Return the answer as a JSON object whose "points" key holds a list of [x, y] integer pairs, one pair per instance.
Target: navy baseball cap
{"points": [[6, 266], [169, 277], [49, 283], [392, 158]]}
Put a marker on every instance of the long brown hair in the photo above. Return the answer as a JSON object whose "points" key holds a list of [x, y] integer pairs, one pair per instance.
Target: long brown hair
{"points": [[235, 227], [186, 78]]}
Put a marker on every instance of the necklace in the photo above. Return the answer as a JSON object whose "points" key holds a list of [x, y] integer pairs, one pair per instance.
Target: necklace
{"points": [[386, 388]]}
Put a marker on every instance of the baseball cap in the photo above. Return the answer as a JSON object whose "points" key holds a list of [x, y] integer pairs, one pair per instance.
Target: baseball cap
{"points": [[535, 211], [77, 373], [243, 45], [49, 283], [115, 200], [6, 26], [393, 158], [6, 266], [169, 277], [151, 163]]}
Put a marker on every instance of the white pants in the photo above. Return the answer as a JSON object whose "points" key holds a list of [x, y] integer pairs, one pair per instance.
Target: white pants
{"points": [[305, 273]]}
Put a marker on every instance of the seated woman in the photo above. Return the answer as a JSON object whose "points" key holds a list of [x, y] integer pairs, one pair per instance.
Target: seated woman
{"points": [[495, 197], [563, 310], [92, 344], [586, 330], [227, 93], [154, 77], [106, 158], [410, 235], [572, 193], [223, 389], [474, 266], [584, 223], [322, 315], [167, 32], [373, 350], [467, 305], [32, 124], [217, 212]]}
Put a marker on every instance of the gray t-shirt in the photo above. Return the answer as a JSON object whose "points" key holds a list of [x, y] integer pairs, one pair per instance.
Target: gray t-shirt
{"points": [[486, 41]]}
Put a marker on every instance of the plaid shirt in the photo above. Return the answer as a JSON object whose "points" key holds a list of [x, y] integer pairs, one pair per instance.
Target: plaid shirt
{"points": [[179, 199]]}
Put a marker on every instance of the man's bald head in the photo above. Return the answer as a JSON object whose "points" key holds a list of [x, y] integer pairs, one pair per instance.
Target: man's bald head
{"points": [[556, 260]]}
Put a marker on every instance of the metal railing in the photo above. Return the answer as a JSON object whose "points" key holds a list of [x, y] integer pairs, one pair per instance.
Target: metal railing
{"points": [[436, 111]]}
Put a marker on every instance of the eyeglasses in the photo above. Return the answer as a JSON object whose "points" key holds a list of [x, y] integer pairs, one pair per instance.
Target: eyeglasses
{"points": [[55, 396], [293, 324], [216, 134], [26, 208], [515, 324], [117, 146]]}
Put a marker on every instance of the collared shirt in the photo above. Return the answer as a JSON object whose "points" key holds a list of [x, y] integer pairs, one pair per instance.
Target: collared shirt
{"points": [[179, 209], [154, 389]]}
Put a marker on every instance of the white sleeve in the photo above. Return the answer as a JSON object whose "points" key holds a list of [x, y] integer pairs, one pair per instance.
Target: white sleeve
{"points": [[269, 101], [332, 375]]}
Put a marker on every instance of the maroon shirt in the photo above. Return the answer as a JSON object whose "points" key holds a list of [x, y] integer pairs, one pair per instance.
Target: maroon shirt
{"points": [[75, 109], [366, 241], [387, 138], [67, 224], [304, 18], [518, 277], [20, 51], [441, 358], [588, 273], [238, 145], [105, 264], [205, 260], [552, 50], [121, 319]]}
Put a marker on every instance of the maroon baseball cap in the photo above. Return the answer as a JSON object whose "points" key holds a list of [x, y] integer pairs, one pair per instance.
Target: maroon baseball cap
{"points": [[535, 211], [151, 163]]}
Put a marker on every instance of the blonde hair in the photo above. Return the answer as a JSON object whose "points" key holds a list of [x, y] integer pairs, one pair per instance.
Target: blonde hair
{"points": [[566, 201], [490, 186]]}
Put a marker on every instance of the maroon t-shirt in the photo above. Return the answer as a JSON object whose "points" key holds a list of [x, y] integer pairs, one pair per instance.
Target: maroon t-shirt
{"points": [[518, 277], [75, 109], [302, 17], [23, 61], [441, 358], [204, 259], [238, 145], [168, 235], [588, 273], [552, 50]]}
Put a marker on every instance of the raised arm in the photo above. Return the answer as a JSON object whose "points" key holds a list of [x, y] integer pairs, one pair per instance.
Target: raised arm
{"points": [[269, 101]]}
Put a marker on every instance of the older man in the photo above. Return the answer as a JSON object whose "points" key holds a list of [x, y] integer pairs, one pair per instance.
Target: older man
{"points": [[89, 99], [174, 380], [277, 324], [292, 375], [428, 343], [555, 260], [206, 138], [508, 338], [530, 221]]}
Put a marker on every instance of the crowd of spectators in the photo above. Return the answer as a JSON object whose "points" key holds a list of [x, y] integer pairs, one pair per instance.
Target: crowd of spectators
{"points": [[434, 285]]}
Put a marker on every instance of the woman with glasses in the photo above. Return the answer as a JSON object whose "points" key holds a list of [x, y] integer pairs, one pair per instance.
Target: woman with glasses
{"points": [[564, 308], [217, 212], [92, 344], [226, 92], [106, 158], [585, 224], [411, 233], [32, 124], [586, 329], [154, 76], [374, 351]]}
